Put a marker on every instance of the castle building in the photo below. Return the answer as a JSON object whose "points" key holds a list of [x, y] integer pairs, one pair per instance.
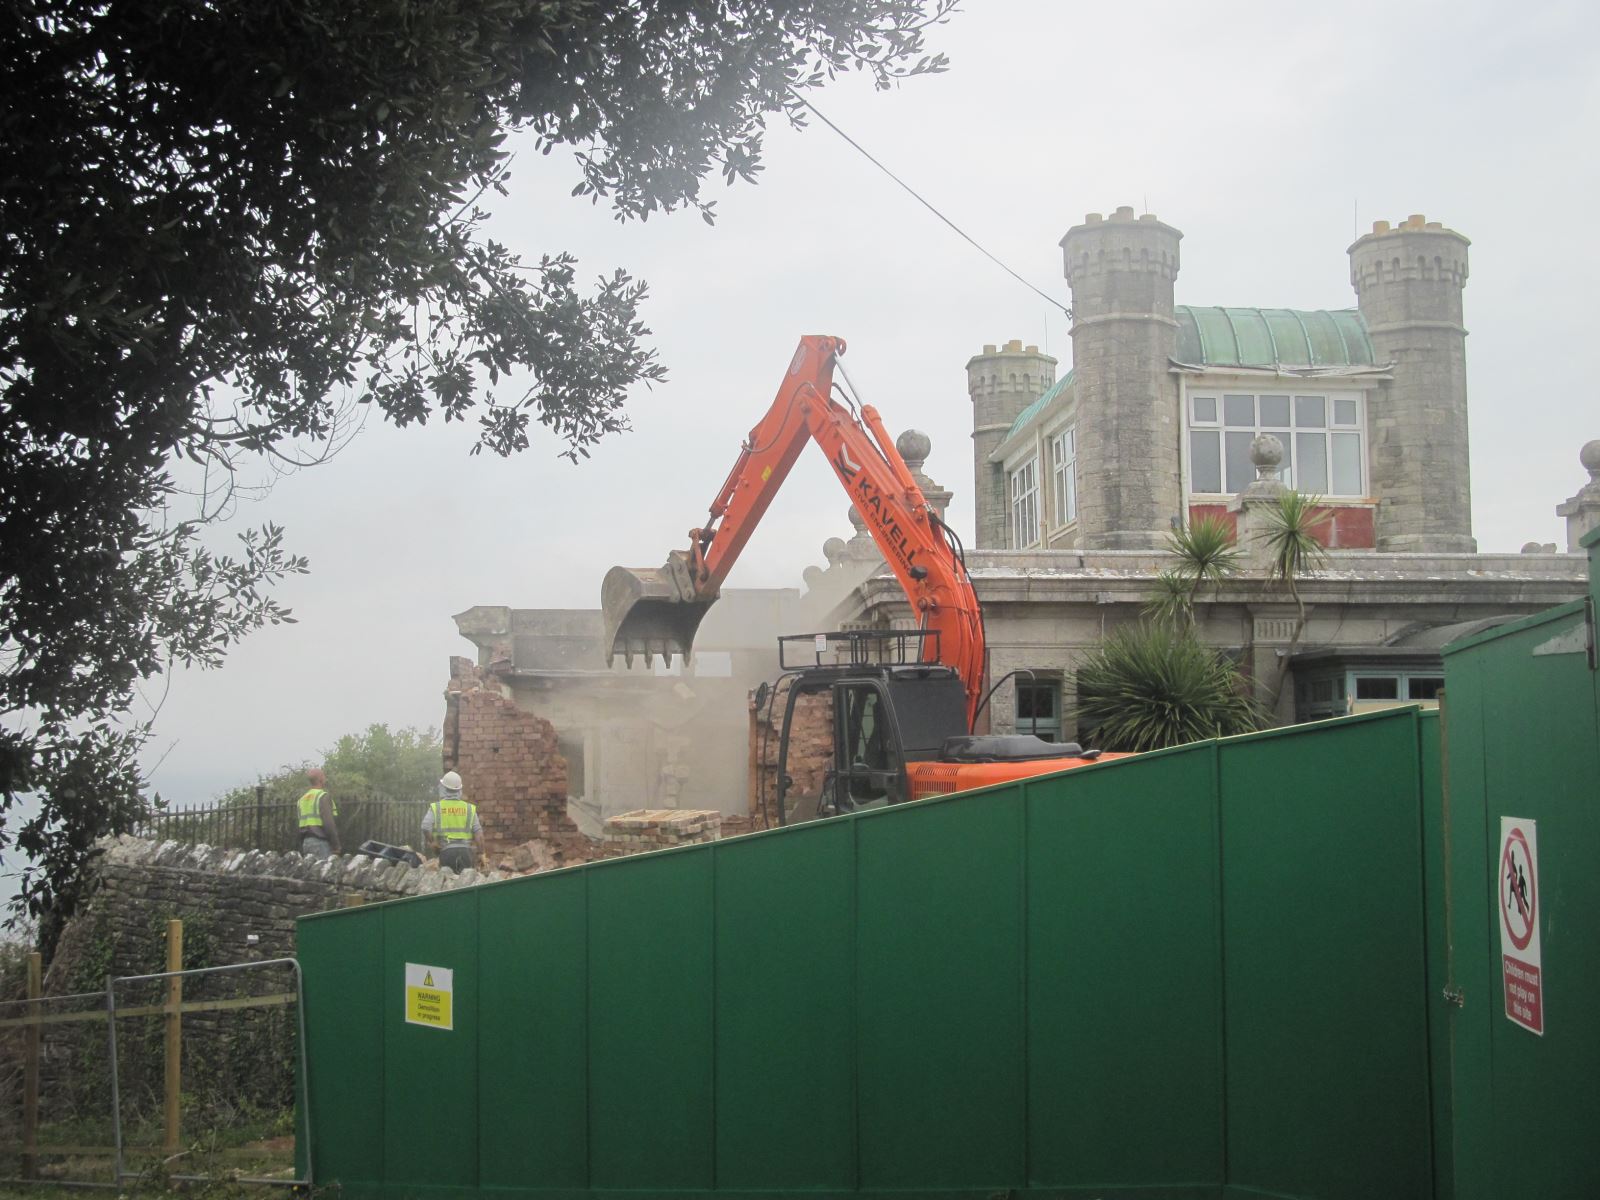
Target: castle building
{"points": [[1153, 424], [1170, 412]]}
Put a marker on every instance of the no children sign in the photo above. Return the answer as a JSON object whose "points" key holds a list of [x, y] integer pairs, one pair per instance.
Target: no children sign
{"points": [[1519, 923]]}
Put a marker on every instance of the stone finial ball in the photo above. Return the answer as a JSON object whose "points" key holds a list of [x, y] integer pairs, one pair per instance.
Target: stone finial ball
{"points": [[1266, 451], [1589, 456], [833, 548], [857, 520], [812, 576], [914, 447]]}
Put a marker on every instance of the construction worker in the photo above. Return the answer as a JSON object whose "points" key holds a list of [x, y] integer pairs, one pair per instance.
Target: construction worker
{"points": [[452, 827], [319, 818]]}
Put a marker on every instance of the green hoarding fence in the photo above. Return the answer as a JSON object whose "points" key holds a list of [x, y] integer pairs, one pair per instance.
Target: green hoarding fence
{"points": [[1204, 972], [1523, 733]]}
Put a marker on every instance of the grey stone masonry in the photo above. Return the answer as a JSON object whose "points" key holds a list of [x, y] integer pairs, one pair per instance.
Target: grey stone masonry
{"points": [[1258, 497], [1408, 282], [1583, 510], [1124, 334], [1002, 382]]}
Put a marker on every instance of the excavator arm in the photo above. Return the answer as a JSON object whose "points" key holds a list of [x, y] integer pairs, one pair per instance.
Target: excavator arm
{"points": [[657, 610]]}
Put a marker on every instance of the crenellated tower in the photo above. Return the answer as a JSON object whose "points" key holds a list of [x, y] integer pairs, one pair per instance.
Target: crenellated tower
{"points": [[1002, 382], [1408, 282], [1124, 335]]}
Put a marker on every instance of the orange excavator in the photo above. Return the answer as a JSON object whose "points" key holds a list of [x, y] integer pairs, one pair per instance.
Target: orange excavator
{"points": [[904, 702]]}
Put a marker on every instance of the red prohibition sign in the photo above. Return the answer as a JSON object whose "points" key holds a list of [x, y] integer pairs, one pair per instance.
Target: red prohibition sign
{"points": [[1526, 910]]}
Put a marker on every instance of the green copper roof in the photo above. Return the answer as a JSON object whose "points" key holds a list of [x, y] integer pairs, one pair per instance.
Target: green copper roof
{"points": [[1042, 403], [1272, 337]]}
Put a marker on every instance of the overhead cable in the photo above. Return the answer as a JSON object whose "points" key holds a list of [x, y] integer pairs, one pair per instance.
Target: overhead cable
{"points": [[926, 203]]}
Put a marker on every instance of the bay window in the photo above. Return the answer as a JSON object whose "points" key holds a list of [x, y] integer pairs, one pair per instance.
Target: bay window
{"points": [[1324, 451]]}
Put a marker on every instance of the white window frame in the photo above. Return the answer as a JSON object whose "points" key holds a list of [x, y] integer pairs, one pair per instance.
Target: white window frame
{"points": [[1024, 492], [1064, 474], [1048, 728], [1214, 394]]}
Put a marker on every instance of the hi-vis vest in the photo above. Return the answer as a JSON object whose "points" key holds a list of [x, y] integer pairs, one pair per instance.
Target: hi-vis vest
{"points": [[452, 819], [311, 808]]}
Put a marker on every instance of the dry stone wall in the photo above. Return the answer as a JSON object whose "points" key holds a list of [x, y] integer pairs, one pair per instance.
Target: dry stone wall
{"points": [[248, 900]]}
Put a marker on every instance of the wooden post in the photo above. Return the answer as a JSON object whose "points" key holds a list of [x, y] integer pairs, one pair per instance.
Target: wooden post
{"points": [[30, 1072], [174, 1031]]}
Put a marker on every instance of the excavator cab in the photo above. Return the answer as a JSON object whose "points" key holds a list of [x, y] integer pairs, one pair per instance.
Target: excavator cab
{"points": [[888, 708]]}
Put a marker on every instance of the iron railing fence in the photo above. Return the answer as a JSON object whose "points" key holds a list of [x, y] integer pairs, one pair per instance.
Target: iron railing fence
{"points": [[261, 824]]}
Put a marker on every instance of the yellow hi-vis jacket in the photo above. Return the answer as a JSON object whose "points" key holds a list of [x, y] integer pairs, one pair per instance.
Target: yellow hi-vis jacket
{"points": [[453, 820], [310, 806]]}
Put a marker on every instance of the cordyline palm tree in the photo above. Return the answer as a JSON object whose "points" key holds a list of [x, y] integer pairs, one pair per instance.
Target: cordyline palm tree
{"points": [[1155, 685], [1289, 536], [1170, 604], [1207, 553]]}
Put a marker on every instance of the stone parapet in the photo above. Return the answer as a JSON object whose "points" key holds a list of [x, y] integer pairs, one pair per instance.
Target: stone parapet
{"points": [[1415, 251], [1113, 577]]}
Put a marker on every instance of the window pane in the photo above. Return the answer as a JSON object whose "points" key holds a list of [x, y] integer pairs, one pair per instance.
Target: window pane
{"points": [[1311, 411], [1204, 409], [1312, 454], [1238, 410], [1036, 699], [1424, 687], [1071, 485], [1240, 469], [1275, 412], [1344, 412], [1378, 687], [1205, 462], [1346, 464]]}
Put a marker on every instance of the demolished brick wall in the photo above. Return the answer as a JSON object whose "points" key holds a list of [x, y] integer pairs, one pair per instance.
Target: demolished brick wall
{"points": [[509, 760]]}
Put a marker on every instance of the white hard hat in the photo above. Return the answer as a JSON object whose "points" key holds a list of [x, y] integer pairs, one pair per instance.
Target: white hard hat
{"points": [[451, 782]]}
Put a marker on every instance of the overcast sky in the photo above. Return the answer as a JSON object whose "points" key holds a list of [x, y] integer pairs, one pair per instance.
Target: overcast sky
{"points": [[1270, 134]]}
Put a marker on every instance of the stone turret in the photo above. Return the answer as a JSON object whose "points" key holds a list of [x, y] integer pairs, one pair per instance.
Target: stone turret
{"points": [[1121, 273], [1408, 282], [1583, 510], [1001, 383]]}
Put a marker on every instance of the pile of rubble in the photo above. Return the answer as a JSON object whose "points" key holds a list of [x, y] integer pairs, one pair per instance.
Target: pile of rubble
{"points": [[627, 833]]}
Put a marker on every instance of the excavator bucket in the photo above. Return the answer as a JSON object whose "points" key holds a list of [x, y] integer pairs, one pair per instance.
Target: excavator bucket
{"points": [[651, 610]]}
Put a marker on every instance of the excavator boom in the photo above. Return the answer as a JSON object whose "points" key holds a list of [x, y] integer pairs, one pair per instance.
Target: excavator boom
{"points": [[658, 610]]}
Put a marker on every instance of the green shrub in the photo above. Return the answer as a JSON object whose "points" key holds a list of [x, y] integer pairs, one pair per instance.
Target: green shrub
{"points": [[1155, 685]]}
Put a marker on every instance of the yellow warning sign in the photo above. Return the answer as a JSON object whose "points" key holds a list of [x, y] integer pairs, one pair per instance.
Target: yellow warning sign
{"points": [[429, 991]]}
